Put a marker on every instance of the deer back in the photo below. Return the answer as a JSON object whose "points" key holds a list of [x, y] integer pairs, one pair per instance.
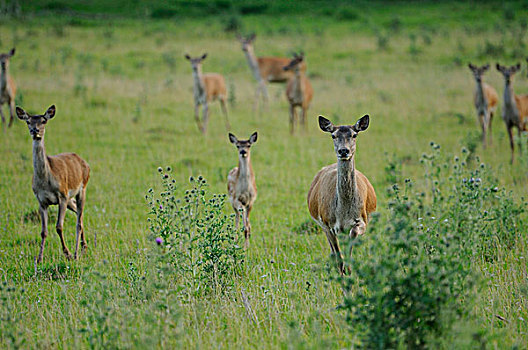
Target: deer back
{"points": [[214, 85], [521, 102], [70, 172], [491, 96], [271, 69]]}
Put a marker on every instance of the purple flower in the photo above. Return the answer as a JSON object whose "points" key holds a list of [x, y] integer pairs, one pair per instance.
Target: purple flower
{"points": [[159, 240], [161, 207]]}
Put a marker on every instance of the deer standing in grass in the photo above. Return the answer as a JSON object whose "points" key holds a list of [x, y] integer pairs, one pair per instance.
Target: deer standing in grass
{"points": [[265, 69], [207, 87], [7, 87], [241, 185], [341, 198], [515, 108], [299, 91], [485, 98], [59, 179]]}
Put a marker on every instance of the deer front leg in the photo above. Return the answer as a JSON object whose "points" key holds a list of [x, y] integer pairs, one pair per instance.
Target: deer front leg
{"points": [[264, 92], [510, 135], [79, 227], [205, 117], [303, 117], [358, 228], [482, 121], [63, 203], [490, 123], [247, 225], [11, 112], [519, 129], [43, 211], [292, 119], [336, 251], [197, 116], [2, 115]]}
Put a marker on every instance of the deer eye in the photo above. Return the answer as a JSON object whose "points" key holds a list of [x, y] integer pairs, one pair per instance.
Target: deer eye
{"points": [[354, 136], [333, 136]]}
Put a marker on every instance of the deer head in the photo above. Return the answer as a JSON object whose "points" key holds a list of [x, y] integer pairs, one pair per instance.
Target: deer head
{"points": [[344, 136], [247, 42], [478, 72], [4, 58], [508, 72], [196, 62], [294, 63], [243, 146], [36, 123]]}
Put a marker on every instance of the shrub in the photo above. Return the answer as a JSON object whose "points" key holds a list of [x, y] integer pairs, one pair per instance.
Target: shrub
{"points": [[347, 14], [196, 237]]}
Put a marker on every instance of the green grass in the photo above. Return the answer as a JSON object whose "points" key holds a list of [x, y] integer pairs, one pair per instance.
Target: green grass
{"points": [[123, 93]]}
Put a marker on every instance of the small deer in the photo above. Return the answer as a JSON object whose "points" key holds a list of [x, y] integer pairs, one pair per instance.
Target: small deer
{"points": [[59, 179], [515, 108], [7, 87], [207, 88], [485, 98], [341, 198], [265, 69], [299, 90], [241, 185]]}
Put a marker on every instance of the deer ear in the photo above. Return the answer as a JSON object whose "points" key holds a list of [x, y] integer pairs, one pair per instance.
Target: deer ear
{"points": [[517, 66], [21, 114], [486, 66], [12, 52], [362, 124], [253, 137], [204, 56], [471, 66], [50, 113], [232, 138], [326, 125], [252, 37], [187, 57], [498, 66]]}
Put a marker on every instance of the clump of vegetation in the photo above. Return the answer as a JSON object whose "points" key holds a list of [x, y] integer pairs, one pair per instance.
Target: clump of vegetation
{"points": [[414, 278], [346, 14], [232, 24], [197, 238]]}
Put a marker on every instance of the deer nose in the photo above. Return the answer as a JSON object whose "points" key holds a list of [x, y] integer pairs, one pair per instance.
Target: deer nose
{"points": [[243, 152], [343, 152]]}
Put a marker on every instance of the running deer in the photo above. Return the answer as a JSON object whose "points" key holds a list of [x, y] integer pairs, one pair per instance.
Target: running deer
{"points": [[241, 185], [265, 69], [59, 179], [485, 98], [207, 87], [299, 90], [515, 108], [7, 87], [341, 198]]}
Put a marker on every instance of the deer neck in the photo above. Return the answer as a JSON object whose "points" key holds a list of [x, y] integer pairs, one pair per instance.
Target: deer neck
{"points": [[481, 98], [40, 160], [346, 194], [199, 84], [509, 99], [297, 85], [253, 63], [245, 170], [3, 79]]}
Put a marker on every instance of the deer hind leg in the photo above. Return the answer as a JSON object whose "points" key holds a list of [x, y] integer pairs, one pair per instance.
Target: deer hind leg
{"points": [[264, 92], [43, 211], [490, 120], [519, 131], [80, 227], [224, 111], [63, 203], [11, 112], [303, 117], [247, 225]]}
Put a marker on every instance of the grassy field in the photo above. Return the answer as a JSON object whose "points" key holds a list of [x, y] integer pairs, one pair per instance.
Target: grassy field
{"points": [[124, 101]]}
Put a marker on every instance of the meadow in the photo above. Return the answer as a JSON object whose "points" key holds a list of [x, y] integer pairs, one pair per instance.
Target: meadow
{"points": [[124, 99]]}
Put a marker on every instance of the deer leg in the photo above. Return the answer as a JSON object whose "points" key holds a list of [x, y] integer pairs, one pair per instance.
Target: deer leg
{"points": [[79, 227], [224, 111], [512, 146], [2, 115], [72, 205], [205, 117], [292, 119], [519, 138], [482, 122], [336, 252], [11, 111], [247, 225], [43, 211], [303, 117], [237, 218], [197, 116], [490, 120], [63, 203], [265, 97]]}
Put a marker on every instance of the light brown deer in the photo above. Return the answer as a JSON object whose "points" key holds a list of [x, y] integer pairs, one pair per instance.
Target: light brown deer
{"points": [[515, 108], [7, 87], [299, 91], [341, 198], [485, 99], [241, 185], [265, 69], [207, 88], [59, 179]]}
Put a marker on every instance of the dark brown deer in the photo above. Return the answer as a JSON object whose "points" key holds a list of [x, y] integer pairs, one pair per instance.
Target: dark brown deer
{"points": [[7, 87]]}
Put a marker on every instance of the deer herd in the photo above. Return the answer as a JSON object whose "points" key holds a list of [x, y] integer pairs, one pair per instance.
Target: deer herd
{"points": [[340, 198]]}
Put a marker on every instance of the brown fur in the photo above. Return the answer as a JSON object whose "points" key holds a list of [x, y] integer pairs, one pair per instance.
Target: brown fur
{"points": [[296, 98], [522, 105], [271, 69], [215, 86], [8, 95]]}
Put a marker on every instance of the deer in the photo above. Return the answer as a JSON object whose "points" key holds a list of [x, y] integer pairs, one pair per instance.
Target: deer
{"points": [[299, 91], [341, 198], [485, 99], [207, 87], [57, 180], [265, 69], [7, 87], [241, 186], [515, 108]]}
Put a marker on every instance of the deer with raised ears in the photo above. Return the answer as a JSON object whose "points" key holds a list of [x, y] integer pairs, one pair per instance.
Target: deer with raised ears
{"points": [[341, 198], [265, 69], [57, 180], [207, 88], [241, 186], [515, 108], [485, 99], [7, 87], [299, 91]]}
